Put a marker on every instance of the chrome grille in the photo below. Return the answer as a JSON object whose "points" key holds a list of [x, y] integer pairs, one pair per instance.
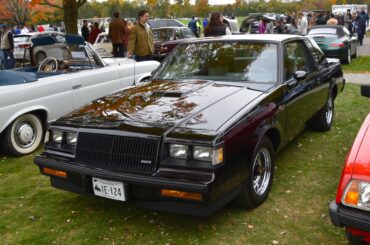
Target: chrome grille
{"points": [[117, 153]]}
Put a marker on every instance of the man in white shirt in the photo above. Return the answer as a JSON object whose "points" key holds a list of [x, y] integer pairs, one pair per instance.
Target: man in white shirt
{"points": [[302, 24]]}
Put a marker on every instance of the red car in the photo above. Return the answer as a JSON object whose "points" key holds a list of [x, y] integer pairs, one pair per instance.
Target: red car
{"points": [[351, 208]]}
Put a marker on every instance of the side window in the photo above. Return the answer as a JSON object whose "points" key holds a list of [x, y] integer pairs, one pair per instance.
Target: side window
{"points": [[316, 52], [60, 38], [188, 33], [296, 58], [178, 34]]}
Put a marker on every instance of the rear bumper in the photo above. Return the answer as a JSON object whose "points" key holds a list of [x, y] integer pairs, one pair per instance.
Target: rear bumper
{"points": [[337, 53], [349, 217], [144, 191]]}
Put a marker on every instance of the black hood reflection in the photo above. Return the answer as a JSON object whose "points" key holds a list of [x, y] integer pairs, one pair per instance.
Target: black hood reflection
{"points": [[163, 104]]}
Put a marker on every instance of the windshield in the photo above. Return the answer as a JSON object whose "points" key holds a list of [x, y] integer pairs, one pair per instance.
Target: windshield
{"points": [[222, 61], [323, 31], [21, 39], [161, 35]]}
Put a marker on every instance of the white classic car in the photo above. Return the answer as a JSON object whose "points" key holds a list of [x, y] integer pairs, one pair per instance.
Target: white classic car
{"points": [[31, 97], [103, 45]]}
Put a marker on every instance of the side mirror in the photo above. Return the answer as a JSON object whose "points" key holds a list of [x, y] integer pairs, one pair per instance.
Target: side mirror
{"points": [[299, 75], [365, 90]]}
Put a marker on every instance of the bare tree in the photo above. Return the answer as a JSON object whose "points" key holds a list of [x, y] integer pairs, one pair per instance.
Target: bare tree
{"points": [[16, 12]]}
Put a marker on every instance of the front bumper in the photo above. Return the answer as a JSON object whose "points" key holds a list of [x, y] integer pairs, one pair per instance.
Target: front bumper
{"points": [[349, 217], [143, 191]]}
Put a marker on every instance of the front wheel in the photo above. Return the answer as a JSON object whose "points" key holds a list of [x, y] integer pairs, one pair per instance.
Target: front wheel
{"points": [[260, 174], [24, 135], [323, 121]]}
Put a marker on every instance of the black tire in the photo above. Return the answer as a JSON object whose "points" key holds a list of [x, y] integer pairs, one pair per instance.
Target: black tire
{"points": [[257, 186], [24, 135], [40, 56], [323, 120], [355, 240], [347, 59]]}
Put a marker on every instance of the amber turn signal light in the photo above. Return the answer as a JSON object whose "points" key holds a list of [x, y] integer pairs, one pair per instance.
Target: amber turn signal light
{"points": [[181, 194], [54, 172], [352, 193]]}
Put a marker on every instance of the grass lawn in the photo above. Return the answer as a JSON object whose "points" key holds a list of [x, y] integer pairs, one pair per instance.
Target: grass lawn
{"points": [[360, 64], [296, 212]]}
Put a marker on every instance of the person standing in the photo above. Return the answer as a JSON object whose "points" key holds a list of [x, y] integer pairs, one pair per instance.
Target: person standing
{"points": [[293, 28], [362, 20], [332, 20], [7, 47], [117, 34], [302, 24], [262, 27], [141, 44], [85, 31], [193, 26], [95, 30], [348, 20], [216, 27], [205, 23]]}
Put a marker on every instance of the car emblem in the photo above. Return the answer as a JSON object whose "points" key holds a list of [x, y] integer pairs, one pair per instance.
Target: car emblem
{"points": [[146, 161]]}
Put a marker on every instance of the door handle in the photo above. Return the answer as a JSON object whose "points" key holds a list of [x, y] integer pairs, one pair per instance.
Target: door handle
{"points": [[77, 86]]}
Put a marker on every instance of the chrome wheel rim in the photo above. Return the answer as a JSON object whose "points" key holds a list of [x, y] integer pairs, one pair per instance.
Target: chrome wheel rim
{"points": [[261, 171], [329, 111], [25, 134], [349, 56]]}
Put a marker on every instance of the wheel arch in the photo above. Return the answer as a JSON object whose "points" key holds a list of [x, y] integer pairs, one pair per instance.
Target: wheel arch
{"points": [[41, 112], [271, 132]]}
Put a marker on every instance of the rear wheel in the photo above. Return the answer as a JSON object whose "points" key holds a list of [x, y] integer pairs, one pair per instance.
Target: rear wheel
{"points": [[347, 60], [260, 174], [24, 135], [39, 57], [323, 120]]}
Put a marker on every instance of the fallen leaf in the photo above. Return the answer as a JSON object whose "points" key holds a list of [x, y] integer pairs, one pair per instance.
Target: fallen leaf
{"points": [[275, 242], [250, 226], [283, 233], [33, 218], [288, 191]]}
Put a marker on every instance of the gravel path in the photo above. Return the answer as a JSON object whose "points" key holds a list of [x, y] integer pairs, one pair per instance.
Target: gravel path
{"points": [[365, 48], [358, 78]]}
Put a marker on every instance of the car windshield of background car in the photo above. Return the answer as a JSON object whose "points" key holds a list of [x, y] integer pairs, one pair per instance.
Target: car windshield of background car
{"points": [[332, 31], [162, 35], [222, 61]]}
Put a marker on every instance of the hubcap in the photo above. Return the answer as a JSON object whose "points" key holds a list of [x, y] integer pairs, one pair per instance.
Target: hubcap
{"points": [[261, 171], [349, 56], [329, 111], [25, 135]]}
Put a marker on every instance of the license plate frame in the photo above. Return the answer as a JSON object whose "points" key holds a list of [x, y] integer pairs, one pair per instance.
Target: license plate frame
{"points": [[109, 189]]}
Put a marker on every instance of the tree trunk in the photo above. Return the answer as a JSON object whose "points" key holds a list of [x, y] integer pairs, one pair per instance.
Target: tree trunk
{"points": [[70, 16]]}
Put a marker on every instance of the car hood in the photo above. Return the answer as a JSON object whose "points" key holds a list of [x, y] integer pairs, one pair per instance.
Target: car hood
{"points": [[167, 105], [361, 165]]}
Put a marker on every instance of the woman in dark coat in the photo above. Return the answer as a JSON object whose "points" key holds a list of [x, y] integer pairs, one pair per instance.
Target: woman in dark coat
{"points": [[94, 33], [216, 27]]}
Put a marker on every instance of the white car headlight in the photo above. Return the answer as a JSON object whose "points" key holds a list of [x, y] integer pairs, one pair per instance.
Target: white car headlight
{"points": [[57, 136], [71, 138], [178, 151], [357, 194], [203, 153]]}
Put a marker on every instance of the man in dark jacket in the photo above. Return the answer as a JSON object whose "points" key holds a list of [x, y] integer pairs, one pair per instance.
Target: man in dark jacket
{"points": [[118, 34], [362, 20], [85, 31], [7, 47], [193, 26], [321, 19]]}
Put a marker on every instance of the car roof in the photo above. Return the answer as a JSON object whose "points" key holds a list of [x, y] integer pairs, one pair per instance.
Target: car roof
{"points": [[328, 26], [170, 27], [31, 34], [254, 37]]}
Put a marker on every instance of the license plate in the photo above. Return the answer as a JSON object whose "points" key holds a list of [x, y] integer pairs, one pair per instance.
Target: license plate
{"points": [[109, 189]]}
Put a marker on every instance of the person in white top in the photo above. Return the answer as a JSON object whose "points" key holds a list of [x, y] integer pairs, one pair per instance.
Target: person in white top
{"points": [[24, 30], [302, 24]]}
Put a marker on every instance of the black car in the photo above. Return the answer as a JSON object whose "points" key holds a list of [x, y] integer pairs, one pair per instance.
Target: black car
{"points": [[203, 132], [335, 41]]}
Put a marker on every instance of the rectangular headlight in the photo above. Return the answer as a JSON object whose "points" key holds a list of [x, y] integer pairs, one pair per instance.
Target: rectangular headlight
{"points": [[57, 136], [357, 194], [178, 151], [71, 138], [202, 153]]}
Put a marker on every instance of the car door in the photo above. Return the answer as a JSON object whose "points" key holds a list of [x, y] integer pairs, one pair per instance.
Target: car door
{"points": [[95, 81], [302, 97]]}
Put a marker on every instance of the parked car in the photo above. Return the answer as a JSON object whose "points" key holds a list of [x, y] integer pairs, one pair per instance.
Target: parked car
{"points": [[156, 23], [204, 131], [167, 38], [103, 45], [335, 41], [23, 41], [33, 96], [351, 208], [232, 23]]}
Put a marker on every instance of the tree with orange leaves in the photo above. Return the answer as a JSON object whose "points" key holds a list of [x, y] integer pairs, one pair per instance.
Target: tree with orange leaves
{"points": [[16, 12], [70, 11]]}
